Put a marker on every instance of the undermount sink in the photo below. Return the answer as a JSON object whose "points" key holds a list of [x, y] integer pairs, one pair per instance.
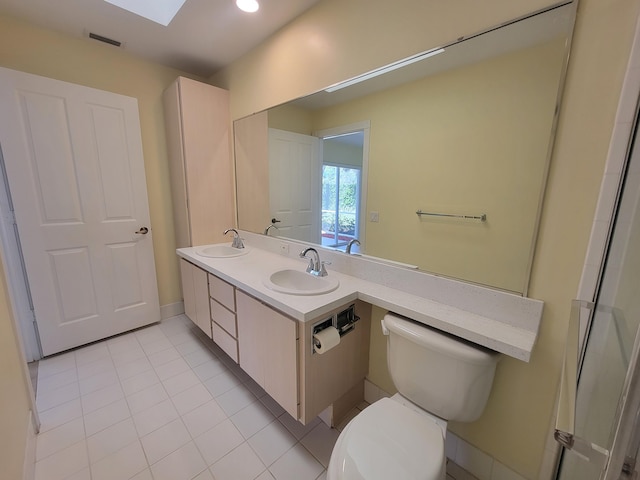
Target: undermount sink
{"points": [[295, 282], [220, 251]]}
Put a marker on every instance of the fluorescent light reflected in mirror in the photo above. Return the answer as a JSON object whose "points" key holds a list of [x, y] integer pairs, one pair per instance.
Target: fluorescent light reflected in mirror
{"points": [[385, 69]]}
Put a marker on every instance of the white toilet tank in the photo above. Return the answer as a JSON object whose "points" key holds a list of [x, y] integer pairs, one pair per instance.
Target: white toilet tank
{"points": [[443, 375]]}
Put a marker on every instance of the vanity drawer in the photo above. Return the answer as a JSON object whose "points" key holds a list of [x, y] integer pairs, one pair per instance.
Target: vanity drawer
{"points": [[226, 342], [223, 317], [222, 292]]}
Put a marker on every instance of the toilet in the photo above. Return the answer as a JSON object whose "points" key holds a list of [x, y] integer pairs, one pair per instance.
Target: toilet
{"points": [[439, 378]]}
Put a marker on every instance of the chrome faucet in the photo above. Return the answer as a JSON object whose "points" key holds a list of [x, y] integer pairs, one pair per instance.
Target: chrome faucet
{"points": [[237, 241], [316, 267], [350, 244], [266, 230]]}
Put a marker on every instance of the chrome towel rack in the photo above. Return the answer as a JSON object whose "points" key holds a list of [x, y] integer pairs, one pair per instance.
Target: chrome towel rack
{"points": [[482, 217]]}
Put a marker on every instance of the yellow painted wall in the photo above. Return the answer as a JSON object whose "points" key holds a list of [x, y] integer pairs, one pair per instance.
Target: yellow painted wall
{"points": [[86, 62], [14, 396], [338, 39], [290, 118]]}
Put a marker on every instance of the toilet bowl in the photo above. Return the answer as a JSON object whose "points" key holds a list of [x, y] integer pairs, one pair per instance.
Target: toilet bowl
{"points": [[438, 378], [389, 441]]}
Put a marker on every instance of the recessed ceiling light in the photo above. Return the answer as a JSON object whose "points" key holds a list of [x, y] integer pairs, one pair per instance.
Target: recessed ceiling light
{"points": [[159, 11], [248, 5]]}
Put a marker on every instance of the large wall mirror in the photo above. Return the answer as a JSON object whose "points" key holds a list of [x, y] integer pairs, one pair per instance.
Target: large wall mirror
{"points": [[439, 162]]}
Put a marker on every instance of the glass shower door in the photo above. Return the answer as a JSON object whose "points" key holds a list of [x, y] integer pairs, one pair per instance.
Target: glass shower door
{"points": [[607, 401]]}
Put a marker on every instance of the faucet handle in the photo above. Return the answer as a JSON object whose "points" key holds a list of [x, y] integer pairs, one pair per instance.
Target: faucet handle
{"points": [[323, 270], [310, 266]]}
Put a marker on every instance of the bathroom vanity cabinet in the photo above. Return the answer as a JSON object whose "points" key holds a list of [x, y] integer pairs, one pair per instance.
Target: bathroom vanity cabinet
{"points": [[197, 122], [276, 350], [195, 291]]}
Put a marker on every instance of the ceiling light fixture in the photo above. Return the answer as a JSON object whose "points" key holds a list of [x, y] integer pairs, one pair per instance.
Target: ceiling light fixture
{"points": [[385, 69], [249, 6]]}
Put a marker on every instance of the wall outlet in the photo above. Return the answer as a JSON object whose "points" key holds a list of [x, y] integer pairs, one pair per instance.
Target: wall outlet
{"points": [[374, 217], [284, 248]]}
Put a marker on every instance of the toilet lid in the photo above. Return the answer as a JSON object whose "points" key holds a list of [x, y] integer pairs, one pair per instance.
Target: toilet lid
{"points": [[388, 440]]}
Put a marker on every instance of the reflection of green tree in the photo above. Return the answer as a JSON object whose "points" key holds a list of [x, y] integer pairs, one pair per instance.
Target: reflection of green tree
{"points": [[347, 201]]}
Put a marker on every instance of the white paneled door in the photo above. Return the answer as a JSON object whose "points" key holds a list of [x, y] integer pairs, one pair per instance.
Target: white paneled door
{"points": [[74, 162]]}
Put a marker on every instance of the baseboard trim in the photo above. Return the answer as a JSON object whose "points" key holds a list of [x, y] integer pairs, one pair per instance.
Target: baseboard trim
{"points": [[29, 469], [171, 310]]}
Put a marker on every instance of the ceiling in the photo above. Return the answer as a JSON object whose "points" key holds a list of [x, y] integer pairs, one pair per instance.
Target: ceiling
{"points": [[204, 36]]}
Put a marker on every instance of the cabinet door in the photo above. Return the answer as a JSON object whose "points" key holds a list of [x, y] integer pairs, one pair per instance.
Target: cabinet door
{"points": [[250, 336], [201, 291], [187, 290], [268, 350]]}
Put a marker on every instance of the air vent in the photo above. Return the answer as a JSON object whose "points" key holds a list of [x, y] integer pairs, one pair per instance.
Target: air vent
{"points": [[100, 38]]}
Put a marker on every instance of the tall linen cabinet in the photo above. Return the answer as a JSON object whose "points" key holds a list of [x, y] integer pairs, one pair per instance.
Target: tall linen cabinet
{"points": [[198, 126]]}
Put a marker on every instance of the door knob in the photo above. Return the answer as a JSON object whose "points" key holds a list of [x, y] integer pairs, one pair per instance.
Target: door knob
{"points": [[275, 220], [142, 231]]}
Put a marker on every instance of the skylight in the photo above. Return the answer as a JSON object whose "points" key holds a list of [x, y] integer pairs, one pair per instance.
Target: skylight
{"points": [[159, 11]]}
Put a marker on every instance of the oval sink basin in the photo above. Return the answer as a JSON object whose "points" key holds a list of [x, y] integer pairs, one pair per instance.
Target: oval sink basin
{"points": [[295, 282], [221, 251]]}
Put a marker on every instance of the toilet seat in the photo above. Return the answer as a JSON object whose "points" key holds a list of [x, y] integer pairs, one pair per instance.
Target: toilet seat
{"points": [[388, 440]]}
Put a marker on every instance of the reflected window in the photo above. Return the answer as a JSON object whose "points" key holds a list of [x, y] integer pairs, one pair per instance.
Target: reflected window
{"points": [[340, 204]]}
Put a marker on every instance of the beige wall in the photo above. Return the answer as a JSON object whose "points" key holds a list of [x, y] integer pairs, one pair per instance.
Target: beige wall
{"points": [[14, 396], [86, 62], [339, 39]]}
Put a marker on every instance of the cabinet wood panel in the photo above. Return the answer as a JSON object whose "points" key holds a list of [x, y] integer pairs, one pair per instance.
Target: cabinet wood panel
{"points": [[223, 292], [267, 350], [223, 317]]}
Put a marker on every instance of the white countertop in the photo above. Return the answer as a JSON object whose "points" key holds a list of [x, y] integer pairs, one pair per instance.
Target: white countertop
{"points": [[247, 272]]}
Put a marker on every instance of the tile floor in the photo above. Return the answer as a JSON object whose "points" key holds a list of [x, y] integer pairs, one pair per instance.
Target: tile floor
{"points": [[164, 403]]}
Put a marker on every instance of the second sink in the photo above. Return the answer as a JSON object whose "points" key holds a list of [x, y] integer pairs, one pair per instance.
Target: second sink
{"points": [[295, 282]]}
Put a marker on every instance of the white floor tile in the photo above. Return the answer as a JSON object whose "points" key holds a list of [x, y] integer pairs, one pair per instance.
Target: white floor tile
{"points": [[174, 367], [206, 475], [198, 357], [59, 438], [165, 440], [240, 464], [56, 416], [64, 463], [183, 464], [99, 381], [133, 368], [296, 464], [101, 398], [236, 399], [84, 474], [139, 382], [164, 356], [252, 419], [128, 355], [58, 364], [265, 476], [122, 465], [147, 398], [104, 417], [180, 382], [217, 442], [92, 368], [296, 428], [272, 442], [97, 351], [156, 346], [52, 382], [222, 383], [155, 417], [190, 346], [320, 442], [143, 475], [323, 476], [191, 398], [209, 369], [204, 418], [58, 396], [150, 334], [111, 439]]}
